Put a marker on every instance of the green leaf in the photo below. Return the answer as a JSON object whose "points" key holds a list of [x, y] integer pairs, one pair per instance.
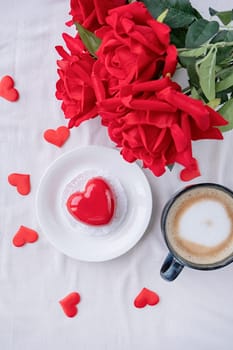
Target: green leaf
{"points": [[155, 7], [206, 72], [223, 35], [195, 94], [190, 64], [212, 12], [162, 16], [193, 76], [224, 53], [89, 39], [180, 14], [178, 37], [214, 103], [225, 83], [225, 16], [223, 73], [223, 95], [200, 51], [200, 32], [226, 112], [170, 166], [178, 18]]}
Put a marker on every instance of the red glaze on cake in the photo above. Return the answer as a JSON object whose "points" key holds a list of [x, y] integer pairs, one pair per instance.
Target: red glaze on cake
{"points": [[95, 205]]}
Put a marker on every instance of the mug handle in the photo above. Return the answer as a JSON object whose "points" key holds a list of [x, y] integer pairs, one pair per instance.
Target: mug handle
{"points": [[171, 268]]}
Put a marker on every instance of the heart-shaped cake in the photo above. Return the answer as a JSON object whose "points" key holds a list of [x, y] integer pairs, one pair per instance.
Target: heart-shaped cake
{"points": [[95, 205]]}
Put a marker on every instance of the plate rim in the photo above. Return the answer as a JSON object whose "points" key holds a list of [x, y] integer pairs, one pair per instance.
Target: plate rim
{"points": [[118, 251]]}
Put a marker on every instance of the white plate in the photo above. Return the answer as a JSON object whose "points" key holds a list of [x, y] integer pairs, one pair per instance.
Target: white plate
{"points": [[72, 240]]}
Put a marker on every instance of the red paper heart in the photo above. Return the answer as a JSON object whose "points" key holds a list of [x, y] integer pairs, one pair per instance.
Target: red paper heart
{"points": [[21, 182], [69, 304], [146, 297], [57, 137], [93, 206], [24, 235], [7, 89]]}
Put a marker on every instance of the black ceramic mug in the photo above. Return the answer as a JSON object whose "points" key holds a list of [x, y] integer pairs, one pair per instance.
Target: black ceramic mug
{"points": [[197, 225]]}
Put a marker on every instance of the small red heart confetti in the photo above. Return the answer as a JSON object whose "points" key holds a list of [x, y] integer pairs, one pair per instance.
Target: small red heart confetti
{"points": [[24, 235], [57, 137], [146, 297], [7, 89], [21, 182], [69, 304], [95, 205]]}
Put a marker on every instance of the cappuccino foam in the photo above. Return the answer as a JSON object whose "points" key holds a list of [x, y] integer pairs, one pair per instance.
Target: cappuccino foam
{"points": [[199, 225]]}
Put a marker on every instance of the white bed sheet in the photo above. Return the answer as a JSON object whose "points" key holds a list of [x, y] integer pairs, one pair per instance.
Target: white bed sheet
{"points": [[195, 311]]}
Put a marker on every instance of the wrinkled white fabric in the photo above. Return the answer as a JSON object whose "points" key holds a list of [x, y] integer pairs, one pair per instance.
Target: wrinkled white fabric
{"points": [[195, 311]]}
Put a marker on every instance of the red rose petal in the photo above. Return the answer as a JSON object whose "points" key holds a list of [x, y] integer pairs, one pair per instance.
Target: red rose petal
{"points": [[21, 182], [190, 173], [24, 235], [57, 137], [146, 297], [69, 304], [170, 60]]}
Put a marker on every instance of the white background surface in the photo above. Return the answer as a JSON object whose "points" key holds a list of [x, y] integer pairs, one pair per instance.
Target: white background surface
{"points": [[195, 311]]}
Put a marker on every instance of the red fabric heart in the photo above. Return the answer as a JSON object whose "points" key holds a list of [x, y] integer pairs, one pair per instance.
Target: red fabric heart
{"points": [[146, 297], [24, 235], [7, 89], [93, 206], [57, 137], [21, 182], [69, 304]]}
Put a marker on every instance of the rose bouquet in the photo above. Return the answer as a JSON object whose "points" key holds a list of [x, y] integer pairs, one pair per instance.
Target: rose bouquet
{"points": [[120, 66]]}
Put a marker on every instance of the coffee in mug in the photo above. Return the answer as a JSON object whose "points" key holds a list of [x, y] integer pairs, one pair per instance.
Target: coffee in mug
{"points": [[197, 224]]}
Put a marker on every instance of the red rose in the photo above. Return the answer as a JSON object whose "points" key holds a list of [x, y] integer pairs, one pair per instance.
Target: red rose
{"points": [[91, 13], [156, 122], [74, 87], [135, 47]]}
